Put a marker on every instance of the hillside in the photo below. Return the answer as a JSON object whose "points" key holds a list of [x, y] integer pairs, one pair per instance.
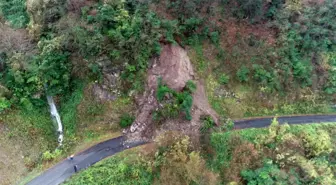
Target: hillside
{"points": [[143, 68]]}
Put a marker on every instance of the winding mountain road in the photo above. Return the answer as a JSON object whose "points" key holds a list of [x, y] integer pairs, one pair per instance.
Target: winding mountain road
{"points": [[266, 121], [63, 170]]}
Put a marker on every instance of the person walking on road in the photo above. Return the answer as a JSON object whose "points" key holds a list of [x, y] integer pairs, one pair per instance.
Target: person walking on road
{"points": [[75, 168]]}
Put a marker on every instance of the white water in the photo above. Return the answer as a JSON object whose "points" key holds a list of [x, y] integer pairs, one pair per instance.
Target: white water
{"points": [[56, 117]]}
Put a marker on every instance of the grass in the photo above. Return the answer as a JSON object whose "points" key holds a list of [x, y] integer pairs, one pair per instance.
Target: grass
{"points": [[26, 135]]}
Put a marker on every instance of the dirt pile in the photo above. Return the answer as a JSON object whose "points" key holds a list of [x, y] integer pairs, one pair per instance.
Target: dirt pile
{"points": [[174, 67]]}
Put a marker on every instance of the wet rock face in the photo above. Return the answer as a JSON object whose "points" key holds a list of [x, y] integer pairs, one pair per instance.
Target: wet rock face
{"points": [[109, 88], [102, 93]]}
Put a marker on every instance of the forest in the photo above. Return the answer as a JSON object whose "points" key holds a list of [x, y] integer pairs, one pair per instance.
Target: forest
{"points": [[101, 60]]}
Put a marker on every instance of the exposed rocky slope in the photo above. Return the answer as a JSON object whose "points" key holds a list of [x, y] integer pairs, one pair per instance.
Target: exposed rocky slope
{"points": [[174, 67]]}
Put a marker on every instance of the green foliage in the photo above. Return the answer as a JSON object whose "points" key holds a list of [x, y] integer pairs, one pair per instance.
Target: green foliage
{"points": [[243, 74], [172, 161], [268, 174], [314, 27], [266, 78], [14, 12], [330, 86], [224, 79], [123, 170], [175, 162], [190, 86], [126, 120], [248, 9], [68, 110], [317, 143], [48, 156], [298, 154], [133, 37], [54, 67], [207, 123], [302, 72], [27, 77], [4, 104], [87, 43], [174, 101]]}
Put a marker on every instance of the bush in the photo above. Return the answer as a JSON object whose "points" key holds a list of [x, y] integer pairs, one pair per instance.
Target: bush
{"points": [[176, 163], [120, 169], [207, 123], [4, 104], [330, 86], [176, 102], [48, 156], [243, 74], [15, 12], [317, 143], [243, 9], [224, 79], [126, 120], [54, 66], [268, 174]]}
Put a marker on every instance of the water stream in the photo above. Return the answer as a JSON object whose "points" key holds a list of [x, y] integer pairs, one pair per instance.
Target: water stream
{"points": [[56, 118]]}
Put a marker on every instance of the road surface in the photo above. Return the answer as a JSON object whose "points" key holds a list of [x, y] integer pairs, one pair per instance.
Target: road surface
{"points": [[266, 121], [63, 170]]}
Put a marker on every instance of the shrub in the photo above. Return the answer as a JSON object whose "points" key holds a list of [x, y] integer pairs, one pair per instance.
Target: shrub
{"points": [[175, 101], [268, 174], [302, 72], [120, 169], [243, 74], [224, 79], [330, 86], [135, 37], [242, 9], [48, 156], [126, 120], [207, 123], [317, 143], [15, 12], [4, 104], [54, 66], [177, 163]]}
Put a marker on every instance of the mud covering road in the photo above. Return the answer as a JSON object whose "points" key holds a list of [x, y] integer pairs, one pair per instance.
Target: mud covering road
{"points": [[63, 170]]}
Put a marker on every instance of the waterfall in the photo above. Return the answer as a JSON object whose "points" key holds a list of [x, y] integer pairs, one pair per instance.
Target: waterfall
{"points": [[56, 118]]}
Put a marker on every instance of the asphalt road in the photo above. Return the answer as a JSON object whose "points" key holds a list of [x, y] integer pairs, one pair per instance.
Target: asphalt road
{"points": [[63, 170], [264, 122]]}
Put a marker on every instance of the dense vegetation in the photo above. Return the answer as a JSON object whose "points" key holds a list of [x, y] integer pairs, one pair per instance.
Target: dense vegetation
{"points": [[129, 35], [256, 57], [276, 155]]}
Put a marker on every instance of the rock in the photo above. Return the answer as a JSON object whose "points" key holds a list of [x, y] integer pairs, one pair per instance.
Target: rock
{"points": [[102, 94], [173, 66], [109, 88]]}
